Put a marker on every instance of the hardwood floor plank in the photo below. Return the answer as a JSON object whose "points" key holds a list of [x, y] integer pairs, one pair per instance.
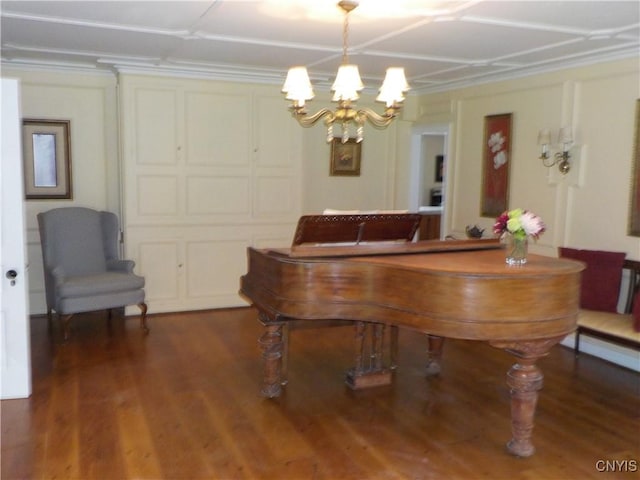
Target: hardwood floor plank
{"points": [[184, 403]]}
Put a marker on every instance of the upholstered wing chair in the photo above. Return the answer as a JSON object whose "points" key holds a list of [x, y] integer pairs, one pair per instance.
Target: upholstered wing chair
{"points": [[82, 269]]}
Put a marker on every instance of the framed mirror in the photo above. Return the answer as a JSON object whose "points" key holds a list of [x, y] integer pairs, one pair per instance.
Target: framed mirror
{"points": [[46, 152]]}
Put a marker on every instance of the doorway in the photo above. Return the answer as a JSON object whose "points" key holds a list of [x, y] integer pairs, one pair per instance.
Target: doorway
{"points": [[428, 170]]}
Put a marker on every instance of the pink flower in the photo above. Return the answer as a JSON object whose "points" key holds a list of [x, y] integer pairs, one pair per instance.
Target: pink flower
{"points": [[532, 224]]}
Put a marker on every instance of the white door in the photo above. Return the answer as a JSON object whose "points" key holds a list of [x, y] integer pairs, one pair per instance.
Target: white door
{"points": [[15, 357]]}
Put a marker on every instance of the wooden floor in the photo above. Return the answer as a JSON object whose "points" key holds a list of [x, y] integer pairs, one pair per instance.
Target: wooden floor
{"points": [[183, 403]]}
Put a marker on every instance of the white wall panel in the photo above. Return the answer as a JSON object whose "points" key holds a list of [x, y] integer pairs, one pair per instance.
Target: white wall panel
{"points": [[157, 195], [214, 267], [274, 195], [217, 195], [159, 263], [272, 144], [212, 137], [156, 124]]}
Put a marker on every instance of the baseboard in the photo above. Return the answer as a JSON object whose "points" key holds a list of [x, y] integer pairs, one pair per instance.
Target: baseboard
{"points": [[625, 357]]}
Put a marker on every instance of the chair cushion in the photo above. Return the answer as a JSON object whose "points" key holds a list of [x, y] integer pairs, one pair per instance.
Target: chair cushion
{"points": [[617, 324], [100, 284], [601, 279]]}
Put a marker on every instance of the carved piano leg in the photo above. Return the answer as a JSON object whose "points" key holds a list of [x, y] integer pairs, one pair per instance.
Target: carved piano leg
{"points": [[434, 354], [525, 380], [272, 345]]}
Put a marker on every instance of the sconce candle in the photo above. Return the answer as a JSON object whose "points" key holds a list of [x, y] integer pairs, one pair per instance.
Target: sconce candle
{"points": [[566, 136], [544, 137]]}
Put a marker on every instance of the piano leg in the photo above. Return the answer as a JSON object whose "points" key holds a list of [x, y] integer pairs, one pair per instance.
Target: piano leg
{"points": [[358, 367], [434, 354], [377, 346], [371, 373], [525, 380], [393, 347], [272, 346]]}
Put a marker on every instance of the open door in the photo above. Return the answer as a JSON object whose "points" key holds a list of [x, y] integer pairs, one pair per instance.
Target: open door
{"points": [[15, 356]]}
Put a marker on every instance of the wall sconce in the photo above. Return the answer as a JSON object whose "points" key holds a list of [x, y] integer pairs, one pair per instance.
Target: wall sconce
{"points": [[559, 158]]}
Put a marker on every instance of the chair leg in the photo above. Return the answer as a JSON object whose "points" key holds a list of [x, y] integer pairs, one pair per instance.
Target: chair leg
{"points": [[576, 344], [143, 317], [66, 325], [49, 317]]}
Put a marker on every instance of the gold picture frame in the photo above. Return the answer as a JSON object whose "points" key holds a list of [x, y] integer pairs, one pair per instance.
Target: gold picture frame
{"points": [[634, 207], [46, 153], [345, 157]]}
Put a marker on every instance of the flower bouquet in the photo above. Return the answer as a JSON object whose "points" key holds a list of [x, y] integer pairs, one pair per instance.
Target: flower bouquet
{"points": [[515, 227]]}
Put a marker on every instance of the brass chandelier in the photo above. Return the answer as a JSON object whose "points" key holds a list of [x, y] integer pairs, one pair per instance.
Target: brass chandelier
{"points": [[345, 88]]}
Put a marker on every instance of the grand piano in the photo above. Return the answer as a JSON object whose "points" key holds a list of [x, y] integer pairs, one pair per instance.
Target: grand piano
{"points": [[339, 269]]}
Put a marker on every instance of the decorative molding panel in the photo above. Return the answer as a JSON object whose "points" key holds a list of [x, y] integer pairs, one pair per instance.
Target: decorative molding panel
{"points": [[217, 129], [213, 268], [274, 196], [210, 195], [157, 195], [159, 263], [156, 126]]}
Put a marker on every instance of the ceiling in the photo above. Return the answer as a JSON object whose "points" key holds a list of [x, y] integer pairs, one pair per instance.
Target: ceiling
{"points": [[441, 44]]}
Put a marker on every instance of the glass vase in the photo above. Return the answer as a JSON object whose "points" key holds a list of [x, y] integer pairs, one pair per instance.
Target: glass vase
{"points": [[516, 249]]}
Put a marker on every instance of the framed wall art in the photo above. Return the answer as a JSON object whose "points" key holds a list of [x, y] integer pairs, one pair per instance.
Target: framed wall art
{"points": [[439, 168], [345, 157], [634, 207], [496, 163], [46, 151]]}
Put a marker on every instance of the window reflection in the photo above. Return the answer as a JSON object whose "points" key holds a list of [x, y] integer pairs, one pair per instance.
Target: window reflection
{"points": [[44, 160]]}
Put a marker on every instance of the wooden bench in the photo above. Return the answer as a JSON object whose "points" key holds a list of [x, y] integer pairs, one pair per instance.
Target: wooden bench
{"points": [[613, 327]]}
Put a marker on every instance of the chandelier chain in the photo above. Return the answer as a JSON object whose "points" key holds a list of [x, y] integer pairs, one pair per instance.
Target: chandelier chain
{"points": [[345, 39]]}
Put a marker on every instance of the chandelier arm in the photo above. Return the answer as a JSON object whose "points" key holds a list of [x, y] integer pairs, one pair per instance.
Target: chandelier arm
{"points": [[377, 120], [307, 120]]}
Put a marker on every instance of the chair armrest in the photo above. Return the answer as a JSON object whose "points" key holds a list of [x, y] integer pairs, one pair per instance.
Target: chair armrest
{"points": [[57, 273], [121, 265]]}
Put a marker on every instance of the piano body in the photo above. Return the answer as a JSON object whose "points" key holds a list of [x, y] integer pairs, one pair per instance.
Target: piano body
{"points": [[447, 289]]}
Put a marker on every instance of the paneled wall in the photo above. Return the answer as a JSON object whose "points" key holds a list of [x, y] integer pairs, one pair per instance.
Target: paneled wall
{"points": [[208, 170], [89, 102], [588, 207]]}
